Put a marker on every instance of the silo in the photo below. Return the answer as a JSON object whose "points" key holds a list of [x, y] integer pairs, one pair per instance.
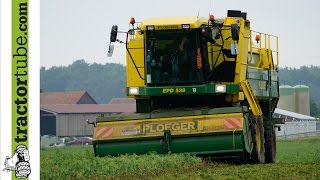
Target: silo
{"points": [[302, 99], [287, 98]]}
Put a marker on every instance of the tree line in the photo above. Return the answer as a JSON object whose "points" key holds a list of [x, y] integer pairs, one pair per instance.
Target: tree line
{"points": [[306, 75], [102, 81]]}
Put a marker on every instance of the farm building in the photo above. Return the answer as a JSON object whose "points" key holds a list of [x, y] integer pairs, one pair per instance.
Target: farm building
{"points": [[295, 123], [70, 119], [65, 113], [68, 97], [122, 101]]}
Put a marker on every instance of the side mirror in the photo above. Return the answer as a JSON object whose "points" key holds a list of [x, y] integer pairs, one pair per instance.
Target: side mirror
{"points": [[113, 34], [235, 32], [110, 50]]}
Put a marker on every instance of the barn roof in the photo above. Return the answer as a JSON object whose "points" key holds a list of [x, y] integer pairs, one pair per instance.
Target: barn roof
{"points": [[293, 114], [68, 97], [89, 108], [122, 101]]}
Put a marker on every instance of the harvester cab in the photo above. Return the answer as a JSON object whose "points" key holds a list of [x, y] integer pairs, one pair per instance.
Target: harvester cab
{"points": [[201, 85]]}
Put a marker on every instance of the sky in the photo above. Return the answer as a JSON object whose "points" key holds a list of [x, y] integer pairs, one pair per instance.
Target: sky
{"points": [[80, 29]]}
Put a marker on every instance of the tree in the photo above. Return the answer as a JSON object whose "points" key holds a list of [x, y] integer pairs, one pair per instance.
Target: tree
{"points": [[103, 82], [314, 108]]}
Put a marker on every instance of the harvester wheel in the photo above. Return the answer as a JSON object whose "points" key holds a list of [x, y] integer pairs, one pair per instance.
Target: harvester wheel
{"points": [[257, 133], [270, 145]]}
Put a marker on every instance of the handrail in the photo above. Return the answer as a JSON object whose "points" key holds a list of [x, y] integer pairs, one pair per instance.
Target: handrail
{"points": [[267, 41]]}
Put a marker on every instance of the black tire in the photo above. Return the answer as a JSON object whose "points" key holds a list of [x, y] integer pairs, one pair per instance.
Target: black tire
{"points": [[257, 133], [23, 169], [270, 146]]}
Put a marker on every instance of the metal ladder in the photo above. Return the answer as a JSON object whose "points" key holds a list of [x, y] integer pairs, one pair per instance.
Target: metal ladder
{"points": [[252, 100]]}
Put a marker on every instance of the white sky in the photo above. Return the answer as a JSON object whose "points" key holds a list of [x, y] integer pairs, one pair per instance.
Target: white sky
{"points": [[80, 29]]}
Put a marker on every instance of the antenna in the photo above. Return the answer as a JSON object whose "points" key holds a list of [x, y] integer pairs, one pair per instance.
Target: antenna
{"points": [[212, 5], [198, 13]]}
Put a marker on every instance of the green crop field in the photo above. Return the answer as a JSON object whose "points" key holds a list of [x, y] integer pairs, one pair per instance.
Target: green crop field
{"points": [[296, 159]]}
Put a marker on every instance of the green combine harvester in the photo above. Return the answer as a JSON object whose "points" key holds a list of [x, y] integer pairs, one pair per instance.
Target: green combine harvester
{"points": [[202, 86]]}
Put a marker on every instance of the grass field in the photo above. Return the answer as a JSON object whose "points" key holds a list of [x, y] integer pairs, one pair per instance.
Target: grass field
{"points": [[296, 159]]}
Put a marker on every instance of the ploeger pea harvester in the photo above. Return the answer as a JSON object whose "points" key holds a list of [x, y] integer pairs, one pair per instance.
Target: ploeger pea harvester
{"points": [[203, 86]]}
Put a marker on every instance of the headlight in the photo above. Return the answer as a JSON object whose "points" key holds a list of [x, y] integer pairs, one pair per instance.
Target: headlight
{"points": [[150, 28], [133, 90], [221, 88], [186, 26]]}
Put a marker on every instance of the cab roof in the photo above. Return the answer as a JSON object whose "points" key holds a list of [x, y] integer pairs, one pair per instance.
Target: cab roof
{"points": [[194, 21]]}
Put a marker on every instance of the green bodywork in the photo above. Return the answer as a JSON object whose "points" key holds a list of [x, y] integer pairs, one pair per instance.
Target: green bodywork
{"points": [[258, 79], [186, 90], [210, 143]]}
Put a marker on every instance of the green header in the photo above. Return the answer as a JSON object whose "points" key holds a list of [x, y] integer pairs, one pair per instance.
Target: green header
{"points": [[20, 73]]}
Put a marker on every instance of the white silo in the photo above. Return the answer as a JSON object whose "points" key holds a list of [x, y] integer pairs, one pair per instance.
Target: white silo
{"points": [[302, 99], [287, 98]]}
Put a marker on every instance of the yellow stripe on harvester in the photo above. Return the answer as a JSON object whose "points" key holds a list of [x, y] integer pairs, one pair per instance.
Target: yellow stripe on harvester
{"points": [[177, 126]]}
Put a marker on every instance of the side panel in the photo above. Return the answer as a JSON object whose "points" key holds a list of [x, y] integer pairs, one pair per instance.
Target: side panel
{"points": [[258, 79], [241, 66], [136, 49]]}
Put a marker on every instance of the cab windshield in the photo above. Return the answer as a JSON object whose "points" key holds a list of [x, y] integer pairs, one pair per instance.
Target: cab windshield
{"points": [[173, 57]]}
